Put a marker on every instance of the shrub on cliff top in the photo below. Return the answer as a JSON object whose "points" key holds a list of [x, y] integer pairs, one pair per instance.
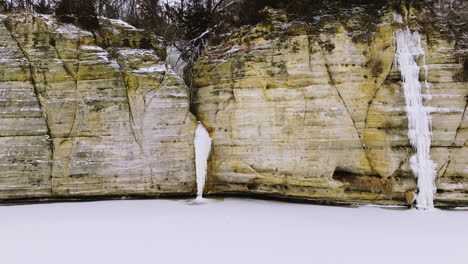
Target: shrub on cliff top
{"points": [[83, 11]]}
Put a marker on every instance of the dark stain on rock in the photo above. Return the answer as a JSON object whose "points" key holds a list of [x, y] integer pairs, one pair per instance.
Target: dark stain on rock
{"points": [[462, 75], [252, 185], [370, 183], [126, 43]]}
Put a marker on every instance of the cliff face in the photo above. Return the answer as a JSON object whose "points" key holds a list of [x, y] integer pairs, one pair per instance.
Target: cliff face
{"points": [[77, 119], [294, 109], [311, 112]]}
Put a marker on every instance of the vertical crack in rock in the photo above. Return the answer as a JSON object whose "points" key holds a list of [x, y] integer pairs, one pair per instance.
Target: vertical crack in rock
{"points": [[332, 83], [444, 167], [309, 45], [189, 111], [73, 75], [371, 101], [459, 126], [130, 108], [39, 100], [148, 157], [76, 82], [133, 126], [395, 173], [309, 53], [163, 77]]}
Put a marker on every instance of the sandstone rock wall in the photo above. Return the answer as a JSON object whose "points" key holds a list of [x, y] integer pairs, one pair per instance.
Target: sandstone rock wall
{"points": [[294, 111], [77, 119], [302, 112]]}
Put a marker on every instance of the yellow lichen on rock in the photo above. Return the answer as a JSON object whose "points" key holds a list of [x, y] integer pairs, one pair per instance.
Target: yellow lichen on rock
{"points": [[295, 109], [100, 120]]}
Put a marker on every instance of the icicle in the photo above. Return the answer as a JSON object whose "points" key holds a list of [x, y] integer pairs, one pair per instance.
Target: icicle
{"points": [[202, 144], [419, 117]]}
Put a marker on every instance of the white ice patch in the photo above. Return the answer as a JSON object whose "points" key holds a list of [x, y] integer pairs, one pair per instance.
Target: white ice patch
{"points": [[122, 24], [151, 69], [91, 48], [202, 143], [175, 60], [398, 18], [71, 32], [419, 117], [138, 52]]}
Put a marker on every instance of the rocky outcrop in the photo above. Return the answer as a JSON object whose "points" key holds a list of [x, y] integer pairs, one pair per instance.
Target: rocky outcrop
{"points": [[295, 109], [310, 112], [89, 113]]}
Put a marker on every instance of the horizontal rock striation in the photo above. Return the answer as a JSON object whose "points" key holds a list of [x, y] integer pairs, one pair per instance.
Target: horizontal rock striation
{"points": [[305, 110], [309, 112], [80, 117]]}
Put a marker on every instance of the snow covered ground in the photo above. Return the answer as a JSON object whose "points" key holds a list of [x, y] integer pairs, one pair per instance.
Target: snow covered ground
{"points": [[228, 231]]}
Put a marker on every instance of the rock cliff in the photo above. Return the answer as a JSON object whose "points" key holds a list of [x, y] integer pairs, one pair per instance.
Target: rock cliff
{"points": [[303, 111], [90, 113], [295, 109]]}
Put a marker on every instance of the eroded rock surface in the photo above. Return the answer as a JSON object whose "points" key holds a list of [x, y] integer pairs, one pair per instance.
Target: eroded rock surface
{"points": [[293, 111], [77, 119], [302, 112]]}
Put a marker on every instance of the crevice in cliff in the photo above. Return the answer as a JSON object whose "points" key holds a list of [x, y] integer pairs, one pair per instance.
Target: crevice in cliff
{"points": [[39, 101], [70, 72], [309, 63], [130, 108], [371, 101], [375, 93], [398, 170], [444, 167], [454, 151], [332, 83], [461, 122], [309, 46], [409, 153], [76, 82], [189, 111], [161, 80], [132, 118]]}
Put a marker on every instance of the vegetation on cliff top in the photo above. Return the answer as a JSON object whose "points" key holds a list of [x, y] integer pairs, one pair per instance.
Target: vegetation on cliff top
{"points": [[188, 19], [193, 21]]}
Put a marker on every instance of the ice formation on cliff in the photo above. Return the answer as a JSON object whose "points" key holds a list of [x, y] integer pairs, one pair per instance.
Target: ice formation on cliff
{"points": [[419, 117], [202, 143]]}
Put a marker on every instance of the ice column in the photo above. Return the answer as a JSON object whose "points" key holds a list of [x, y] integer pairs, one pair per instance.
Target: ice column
{"points": [[419, 117], [202, 144]]}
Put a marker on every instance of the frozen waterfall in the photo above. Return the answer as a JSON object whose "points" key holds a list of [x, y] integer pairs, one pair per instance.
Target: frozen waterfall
{"points": [[175, 60], [202, 143], [419, 117]]}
